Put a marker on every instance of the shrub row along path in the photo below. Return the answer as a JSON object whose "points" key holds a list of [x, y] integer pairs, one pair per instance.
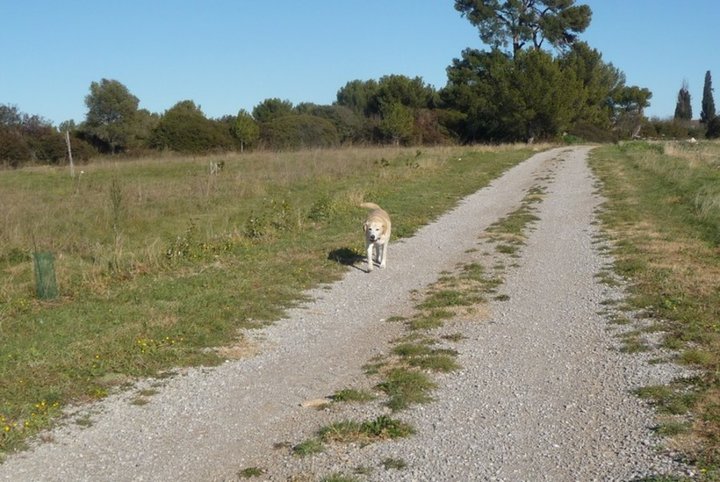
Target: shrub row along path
{"points": [[541, 395]]}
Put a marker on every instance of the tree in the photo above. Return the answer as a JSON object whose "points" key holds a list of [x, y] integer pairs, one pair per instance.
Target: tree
{"points": [[683, 108], [629, 106], [526, 21], [708, 103], [270, 109], [246, 129], [184, 128], [348, 123], [112, 114], [474, 80], [713, 128], [297, 131], [397, 122], [400, 89], [28, 138], [600, 84], [506, 99], [359, 96], [547, 97]]}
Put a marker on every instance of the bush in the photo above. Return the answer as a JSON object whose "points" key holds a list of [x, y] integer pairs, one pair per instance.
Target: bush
{"points": [[184, 128], [299, 131], [713, 128], [585, 132], [14, 150]]}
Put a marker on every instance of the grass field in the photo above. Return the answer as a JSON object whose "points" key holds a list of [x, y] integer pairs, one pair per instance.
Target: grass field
{"points": [[161, 264], [663, 213]]}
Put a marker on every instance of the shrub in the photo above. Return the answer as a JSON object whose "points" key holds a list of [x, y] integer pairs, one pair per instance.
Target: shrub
{"points": [[713, 128], [14, 150], [586, 132], [298, 131], [184, 128]]}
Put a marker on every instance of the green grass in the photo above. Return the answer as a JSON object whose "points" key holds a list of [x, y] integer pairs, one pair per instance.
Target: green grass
{"points": [[663, 217], [251, 472], [353, 395], [405, 387], [308, 447], [379, 428], [429, 320], [157, 261]]}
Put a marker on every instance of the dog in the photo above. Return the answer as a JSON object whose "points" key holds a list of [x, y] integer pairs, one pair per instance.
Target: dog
{"points": [[377, 234]]}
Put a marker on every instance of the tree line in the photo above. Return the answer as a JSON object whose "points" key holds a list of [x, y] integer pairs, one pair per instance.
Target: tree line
{"points": [[536, 81]]}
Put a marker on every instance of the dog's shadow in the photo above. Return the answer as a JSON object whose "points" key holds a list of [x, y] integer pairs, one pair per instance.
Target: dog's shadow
{"points": [[347, 257]]}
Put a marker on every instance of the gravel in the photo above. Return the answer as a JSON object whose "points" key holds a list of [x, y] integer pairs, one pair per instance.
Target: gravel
{"points": [[543, 393]]}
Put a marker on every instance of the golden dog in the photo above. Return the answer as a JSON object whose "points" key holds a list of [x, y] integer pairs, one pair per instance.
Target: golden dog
{"points": [[377, 234]]}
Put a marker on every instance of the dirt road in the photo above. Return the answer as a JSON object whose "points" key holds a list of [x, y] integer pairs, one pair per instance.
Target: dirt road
{"points": [[541, 395]]}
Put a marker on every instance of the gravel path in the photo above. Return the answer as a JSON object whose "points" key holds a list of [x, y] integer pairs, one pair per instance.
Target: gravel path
{"points": [[540, 396]]}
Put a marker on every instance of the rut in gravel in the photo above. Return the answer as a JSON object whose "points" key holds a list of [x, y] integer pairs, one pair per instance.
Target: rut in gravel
{"points": [[540, 395]]}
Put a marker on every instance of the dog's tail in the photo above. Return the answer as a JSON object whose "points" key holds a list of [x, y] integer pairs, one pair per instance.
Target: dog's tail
{"points": [[370, 206]]}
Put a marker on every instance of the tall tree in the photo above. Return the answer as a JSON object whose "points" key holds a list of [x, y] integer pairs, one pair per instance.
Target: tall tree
{"points": [[708, 103], [112, 114], [683, 108], [601, 83], [505, 99], [519, 22]]}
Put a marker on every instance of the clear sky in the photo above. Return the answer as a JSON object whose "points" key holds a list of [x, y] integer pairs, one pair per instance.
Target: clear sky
{"points": [[227, 55]]}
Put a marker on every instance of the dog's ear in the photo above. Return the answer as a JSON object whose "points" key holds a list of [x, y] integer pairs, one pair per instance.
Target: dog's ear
{"points": [[365, 226]]}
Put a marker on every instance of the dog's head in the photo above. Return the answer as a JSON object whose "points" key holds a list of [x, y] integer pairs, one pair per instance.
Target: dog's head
{"points": [[374, 229]]}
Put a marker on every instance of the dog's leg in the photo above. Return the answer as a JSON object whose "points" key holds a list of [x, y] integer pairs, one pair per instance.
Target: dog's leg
{"points": [[382, 255], [370, 256]]}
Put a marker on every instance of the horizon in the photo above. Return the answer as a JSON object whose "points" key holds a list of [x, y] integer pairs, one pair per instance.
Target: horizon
{"points": [[233, 55]]}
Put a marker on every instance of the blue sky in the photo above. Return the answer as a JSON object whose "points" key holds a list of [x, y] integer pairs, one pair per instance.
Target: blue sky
{"points": [[227, 55]]}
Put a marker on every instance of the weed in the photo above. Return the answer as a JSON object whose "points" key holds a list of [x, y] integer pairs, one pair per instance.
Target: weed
{"points": [[393, 463], [454, 337], [437, 362], [670, 400], [406, 387], [393, 319], [250, 472], [85, 421], [445, 298], [308, 447], [352, 395], [362, 470], [426, 358], [428, 321], [380, 428], [672, 428], [510, 249]]}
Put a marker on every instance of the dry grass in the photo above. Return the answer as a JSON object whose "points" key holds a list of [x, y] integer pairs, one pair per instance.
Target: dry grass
{"points": [[663, 214]]}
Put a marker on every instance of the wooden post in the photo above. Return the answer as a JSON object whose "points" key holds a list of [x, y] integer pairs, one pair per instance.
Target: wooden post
{"points": [[69, 148]]}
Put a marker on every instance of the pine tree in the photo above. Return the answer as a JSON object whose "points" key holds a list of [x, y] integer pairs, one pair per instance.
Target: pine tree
{"points": [[708, 103], [683, 109]]}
